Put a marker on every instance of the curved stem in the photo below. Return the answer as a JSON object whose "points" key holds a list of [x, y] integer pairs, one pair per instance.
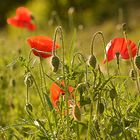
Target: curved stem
{"points": [[39, 93], [104, 46], [63, 48], [54, 41], [131, 60]]}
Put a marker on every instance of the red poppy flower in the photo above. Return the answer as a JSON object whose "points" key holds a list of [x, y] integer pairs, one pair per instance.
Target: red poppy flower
{"points": [[120, 45], [24, 14], [23, 19], [42, 43], [56, 91]]}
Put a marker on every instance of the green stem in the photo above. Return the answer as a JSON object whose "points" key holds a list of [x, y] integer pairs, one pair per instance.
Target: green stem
{"points": [[63, 48], [104, 47], [89, 124], [86, 74], [43, 75], [78, 135], [27, 95], [131, 60]]}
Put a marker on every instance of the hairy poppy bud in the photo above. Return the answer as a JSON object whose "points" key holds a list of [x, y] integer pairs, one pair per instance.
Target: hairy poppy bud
{"points": [[28, 80], [13, 83], [28, 107], [81, 87], [100, 108], [55, 63], [113, 93], [133, 74], [76, 113], [92, 61], [96, 123], [137, 61]]}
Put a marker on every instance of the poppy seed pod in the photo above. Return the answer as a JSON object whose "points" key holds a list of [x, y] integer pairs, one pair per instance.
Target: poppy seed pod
{"points": [[100, 108], [133, 74], [92, 61], [28, 80], [113, 93], [13, 83], [76, 113], [81, 88], [55, 63], [137, 62], [28, 107]]}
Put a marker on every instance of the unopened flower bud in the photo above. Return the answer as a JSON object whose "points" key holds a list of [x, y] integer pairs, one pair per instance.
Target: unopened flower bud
{"points": [[28, 80], [28, 107], [137, 62], [13, 83], [81, 87], [92, 61], [100, 108], [113, 93], [55, 63], [133, 74]]}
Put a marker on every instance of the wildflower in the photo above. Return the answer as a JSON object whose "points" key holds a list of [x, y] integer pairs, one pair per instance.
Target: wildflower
{"points": [[23, 19], [56, 91], [42, 46], [120, 46]]}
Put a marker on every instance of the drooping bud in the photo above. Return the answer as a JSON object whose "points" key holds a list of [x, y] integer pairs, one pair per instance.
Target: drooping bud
{"points": [[113, 93], [133, 74], [100, 108], [55, 63], [92, 61], [124, 27], [28, 79], [13, 82], [81, 87], [137, 62], [76, 113], [28, 107]]}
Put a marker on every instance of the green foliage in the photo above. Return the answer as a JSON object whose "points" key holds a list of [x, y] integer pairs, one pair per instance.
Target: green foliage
{"points": [[102, 105]]}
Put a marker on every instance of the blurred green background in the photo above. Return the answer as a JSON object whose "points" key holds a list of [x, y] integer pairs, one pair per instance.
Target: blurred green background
{"points": [[83, 12], [80, 19]]}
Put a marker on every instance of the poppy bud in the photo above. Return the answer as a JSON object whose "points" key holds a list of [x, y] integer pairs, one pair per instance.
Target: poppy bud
{"points": [[113, 94], [137, 61], [124, 27], [96, 123], [28, 107], [28, 80], [133, 74], [13, 83], [76, 113], [81, 87], [100, 108], [55, 63], [92, 61]]}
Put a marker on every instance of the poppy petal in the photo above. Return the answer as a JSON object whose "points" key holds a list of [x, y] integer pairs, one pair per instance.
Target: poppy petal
{"points": [[120, 45], [24, 14], [42, 43], [56, 91]]}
